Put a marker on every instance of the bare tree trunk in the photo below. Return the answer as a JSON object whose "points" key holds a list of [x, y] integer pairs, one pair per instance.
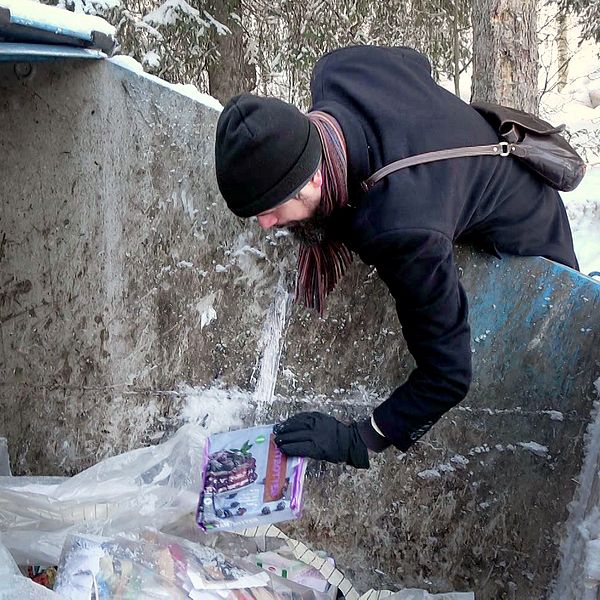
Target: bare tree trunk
{"points": [[456, 49], [505, 53], [229, 72], [563, 50]]}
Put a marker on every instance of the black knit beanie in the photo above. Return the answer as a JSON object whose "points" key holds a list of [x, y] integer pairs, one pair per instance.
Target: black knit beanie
{"points": [[265, 152]]}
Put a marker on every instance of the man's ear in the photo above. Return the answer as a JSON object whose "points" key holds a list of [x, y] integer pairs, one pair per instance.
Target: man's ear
{"points": [[317, 178]]}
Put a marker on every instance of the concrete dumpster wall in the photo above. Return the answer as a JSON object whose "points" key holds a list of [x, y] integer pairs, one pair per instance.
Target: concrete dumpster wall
{"points": [[124, 283]]}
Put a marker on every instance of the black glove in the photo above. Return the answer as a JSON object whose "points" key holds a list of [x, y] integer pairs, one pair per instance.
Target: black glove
{"points": [[320, 436]]}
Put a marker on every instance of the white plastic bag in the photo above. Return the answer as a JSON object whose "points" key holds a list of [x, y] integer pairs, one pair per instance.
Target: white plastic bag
{"points": [[14, 585], [151, 486]]}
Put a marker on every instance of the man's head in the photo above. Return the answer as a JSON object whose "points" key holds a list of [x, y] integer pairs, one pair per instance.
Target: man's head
{"points": [[267, 156]]}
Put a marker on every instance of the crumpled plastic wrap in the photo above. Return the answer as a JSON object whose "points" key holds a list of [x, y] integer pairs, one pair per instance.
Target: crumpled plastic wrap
{"points": [[151, 486], [150, 565], [13, 585]]}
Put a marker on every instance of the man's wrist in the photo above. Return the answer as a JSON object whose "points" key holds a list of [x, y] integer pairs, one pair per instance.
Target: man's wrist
{"points": [[371, 435]]}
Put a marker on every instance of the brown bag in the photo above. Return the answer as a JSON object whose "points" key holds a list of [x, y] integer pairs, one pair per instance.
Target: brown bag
{"points": [[535, 142]]}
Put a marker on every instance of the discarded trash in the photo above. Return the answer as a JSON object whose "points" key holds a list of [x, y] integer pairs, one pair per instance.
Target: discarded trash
{"points": [[283, 563], [248, 481], [151, 565], [14, 585], [101, 517], [149, 486]]}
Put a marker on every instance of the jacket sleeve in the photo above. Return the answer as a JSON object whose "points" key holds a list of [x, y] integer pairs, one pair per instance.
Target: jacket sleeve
{"points": [[418, 268]]}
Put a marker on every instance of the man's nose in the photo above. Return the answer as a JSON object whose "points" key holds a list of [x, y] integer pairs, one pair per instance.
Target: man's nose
{"points": [[267, 221]]}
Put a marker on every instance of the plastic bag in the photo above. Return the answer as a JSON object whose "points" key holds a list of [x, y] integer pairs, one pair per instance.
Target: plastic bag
{"points": [[14, 585], [151, 486], [248, 481], [151, 565]]}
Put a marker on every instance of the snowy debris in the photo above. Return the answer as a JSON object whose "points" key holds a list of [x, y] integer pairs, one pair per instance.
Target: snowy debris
{"points": [[249, 250], [220, 269], [535, 448], [219, 27], [446, 468], [185, 264], [479, 450], [459, 459], [215, 409], [90, 7], [151, 59], [204, 308], [172, 11], [429, 474], [555, 415]]}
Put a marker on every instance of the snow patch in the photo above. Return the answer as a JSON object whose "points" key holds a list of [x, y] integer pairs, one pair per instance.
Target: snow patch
{"points": [[56, 18], [170, 12], [535, 448], [151, 59], [205, 309], [215, 409], [188, 90]]}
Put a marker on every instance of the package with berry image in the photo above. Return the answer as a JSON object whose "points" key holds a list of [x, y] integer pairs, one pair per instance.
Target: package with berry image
{"points": [[248, 481]]}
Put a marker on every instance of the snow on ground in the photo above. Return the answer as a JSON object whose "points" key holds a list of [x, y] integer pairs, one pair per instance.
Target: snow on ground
{"points": [[583, 208]]}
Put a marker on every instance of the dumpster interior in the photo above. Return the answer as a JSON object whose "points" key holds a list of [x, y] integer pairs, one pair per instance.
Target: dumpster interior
{"points": [[138, 317]]}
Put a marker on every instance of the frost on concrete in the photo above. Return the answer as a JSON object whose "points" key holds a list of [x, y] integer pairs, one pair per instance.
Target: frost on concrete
{"points": [[535, 448], [579, 575], [215, 409], [188, 90]]}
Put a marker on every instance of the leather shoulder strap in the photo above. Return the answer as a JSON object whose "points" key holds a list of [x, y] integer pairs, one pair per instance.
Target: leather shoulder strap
{"points": [[499, 149]]}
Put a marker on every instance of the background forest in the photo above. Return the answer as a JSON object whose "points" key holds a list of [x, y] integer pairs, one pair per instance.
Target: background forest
{"points": [[225, 47]]}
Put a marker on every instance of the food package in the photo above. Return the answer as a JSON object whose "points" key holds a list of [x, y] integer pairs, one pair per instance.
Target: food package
{"points": [[248, 481], [283, 564]]}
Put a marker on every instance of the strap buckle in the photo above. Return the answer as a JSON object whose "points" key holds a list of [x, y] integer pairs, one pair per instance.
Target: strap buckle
{"points": [[504, 148]]}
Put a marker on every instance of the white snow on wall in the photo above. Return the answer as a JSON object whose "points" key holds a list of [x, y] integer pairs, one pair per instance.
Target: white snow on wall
{"points": [[189, 90], [269, 349], [215, 409]]}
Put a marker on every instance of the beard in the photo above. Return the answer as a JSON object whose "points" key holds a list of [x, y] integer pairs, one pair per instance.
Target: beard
{"points": [[312, 231]]}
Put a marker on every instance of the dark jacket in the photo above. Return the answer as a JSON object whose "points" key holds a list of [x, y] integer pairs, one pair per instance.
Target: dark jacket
{"points": [[389, 107]]}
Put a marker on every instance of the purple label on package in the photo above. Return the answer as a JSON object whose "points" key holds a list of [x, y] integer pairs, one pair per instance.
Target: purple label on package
{"points": [[248, 481]]}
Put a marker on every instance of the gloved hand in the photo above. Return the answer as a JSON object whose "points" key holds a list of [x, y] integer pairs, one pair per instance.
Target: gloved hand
{"points": [[320, 436]]}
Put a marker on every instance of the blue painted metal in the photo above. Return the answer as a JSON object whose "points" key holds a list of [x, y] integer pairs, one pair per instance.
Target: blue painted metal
{"points": [[535, 326], [18, 23], [14, 52]]}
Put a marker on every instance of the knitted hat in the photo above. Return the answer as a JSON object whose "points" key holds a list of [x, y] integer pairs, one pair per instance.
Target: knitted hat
{"points": [[265, 152]]}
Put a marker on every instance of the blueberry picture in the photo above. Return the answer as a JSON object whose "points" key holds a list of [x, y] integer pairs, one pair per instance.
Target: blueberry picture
{"points": [[266, 510], [240, 511], [281, 506]]}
